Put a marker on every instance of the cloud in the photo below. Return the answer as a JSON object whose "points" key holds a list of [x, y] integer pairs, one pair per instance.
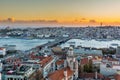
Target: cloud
{"points": [[27, 21], [75, 20], [83, 18], [44, 21], [11, 19], [92, 21], [8, 20], [52, 21]]}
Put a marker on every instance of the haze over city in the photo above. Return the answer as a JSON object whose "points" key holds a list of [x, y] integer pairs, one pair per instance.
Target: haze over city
{"points": [[59, 39], [61, 12]]}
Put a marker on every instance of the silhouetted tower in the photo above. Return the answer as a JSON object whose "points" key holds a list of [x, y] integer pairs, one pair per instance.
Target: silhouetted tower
{"points": [[101, 24]]}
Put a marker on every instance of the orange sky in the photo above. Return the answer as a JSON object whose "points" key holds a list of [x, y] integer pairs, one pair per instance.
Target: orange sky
{"points": [[78, 12]]}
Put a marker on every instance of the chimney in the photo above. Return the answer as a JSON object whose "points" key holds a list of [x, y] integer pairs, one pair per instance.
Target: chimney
{"points": [[96, 75], [65, 74]]}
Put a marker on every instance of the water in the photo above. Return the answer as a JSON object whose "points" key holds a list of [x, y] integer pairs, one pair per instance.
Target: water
{"points": [[91, 43], [23, 44]]}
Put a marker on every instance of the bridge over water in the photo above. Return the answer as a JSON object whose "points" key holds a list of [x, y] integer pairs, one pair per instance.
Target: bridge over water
{"points": [[54, 43]]}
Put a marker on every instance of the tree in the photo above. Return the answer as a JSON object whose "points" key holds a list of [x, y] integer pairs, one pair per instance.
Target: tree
{"points": [[88, 67]]}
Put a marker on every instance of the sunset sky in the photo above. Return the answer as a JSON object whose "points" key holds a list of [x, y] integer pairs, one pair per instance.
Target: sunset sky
{"points": [[80, 12]]}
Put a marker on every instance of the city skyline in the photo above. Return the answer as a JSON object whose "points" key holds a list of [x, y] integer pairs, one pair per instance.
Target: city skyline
{"points": [[66, 12]]}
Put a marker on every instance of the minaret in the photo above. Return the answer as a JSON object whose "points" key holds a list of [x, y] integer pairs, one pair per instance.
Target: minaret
{"points": [[65, 63], [72, 62], [96, 75], [70, 51], [76, 69], [65, 74], [1, 65], [70, 58]]}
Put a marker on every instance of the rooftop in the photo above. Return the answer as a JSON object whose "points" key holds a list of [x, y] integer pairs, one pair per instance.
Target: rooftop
{"points": [[45, 61], [84, 61], [91, 75], [59, 62], [117, 76], [87, 51], [19, 71], [24, 68], [59, 74], [1, 48]]}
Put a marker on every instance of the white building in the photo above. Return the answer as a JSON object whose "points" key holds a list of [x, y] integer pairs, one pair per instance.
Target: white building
{"points": [[40, 36], [109, 67], [33, 63], [47, 35], [10, 47], [3, 51], [47, 65], [0, 76], [72, 62], [1, 66], [118, 50], [22, 73], [65, 35], [69, 71], [96, 61], [106, 70]]}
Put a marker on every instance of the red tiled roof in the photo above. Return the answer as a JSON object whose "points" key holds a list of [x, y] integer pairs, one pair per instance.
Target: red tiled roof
{"points": [[33, 56], [90, 75], [59, 74], [84, 61], [59, 62], [96, 58], [107, 79], [44, 61], [2, 48], [117, 77]]}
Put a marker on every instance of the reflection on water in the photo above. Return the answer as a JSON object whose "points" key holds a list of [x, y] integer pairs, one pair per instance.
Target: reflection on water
{"points": [[92, 43], [23, 44]]}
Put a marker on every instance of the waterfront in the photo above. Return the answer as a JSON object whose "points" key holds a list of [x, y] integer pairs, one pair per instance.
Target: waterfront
{"points": [[26, 44], [23, 44], [92, 43]]}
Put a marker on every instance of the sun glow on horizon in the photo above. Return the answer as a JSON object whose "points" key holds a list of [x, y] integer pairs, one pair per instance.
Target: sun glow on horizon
{"points": [[78, 12]]}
